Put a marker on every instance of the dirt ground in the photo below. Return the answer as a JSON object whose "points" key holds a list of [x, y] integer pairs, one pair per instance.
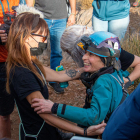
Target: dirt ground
{"points": [[75, 93]]}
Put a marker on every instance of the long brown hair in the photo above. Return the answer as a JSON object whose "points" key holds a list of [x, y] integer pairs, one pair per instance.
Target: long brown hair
{"points": [[21, 28]]}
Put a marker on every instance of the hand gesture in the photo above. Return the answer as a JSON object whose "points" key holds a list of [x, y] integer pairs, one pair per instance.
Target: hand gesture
{"points": [[96, 129], [42, 105]]}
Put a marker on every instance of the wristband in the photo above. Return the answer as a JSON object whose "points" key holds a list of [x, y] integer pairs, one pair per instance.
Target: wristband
{"points": [[128, 78], [85, 132], [54, 108], [73, 14]]}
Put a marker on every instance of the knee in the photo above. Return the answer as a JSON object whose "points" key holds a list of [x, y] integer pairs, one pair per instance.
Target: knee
{"points": [[5, 118]]}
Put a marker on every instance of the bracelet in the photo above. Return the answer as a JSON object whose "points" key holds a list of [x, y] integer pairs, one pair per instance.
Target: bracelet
{"points": [[73, 14], [85, 132]]}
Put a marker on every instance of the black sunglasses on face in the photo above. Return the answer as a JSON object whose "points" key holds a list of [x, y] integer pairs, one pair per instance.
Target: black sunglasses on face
{"points": [[44, 37]]}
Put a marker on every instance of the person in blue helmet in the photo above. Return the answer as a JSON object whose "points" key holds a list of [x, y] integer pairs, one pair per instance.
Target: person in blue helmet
{"points": [[124, 123], [102, 78]]}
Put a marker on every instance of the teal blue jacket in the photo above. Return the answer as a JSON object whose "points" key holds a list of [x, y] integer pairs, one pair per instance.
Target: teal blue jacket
{"points": [[107, 94], [111, 9]]}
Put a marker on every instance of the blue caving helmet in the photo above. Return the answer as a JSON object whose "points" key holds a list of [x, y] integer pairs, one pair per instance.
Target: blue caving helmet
{"points": [[105, 45]]}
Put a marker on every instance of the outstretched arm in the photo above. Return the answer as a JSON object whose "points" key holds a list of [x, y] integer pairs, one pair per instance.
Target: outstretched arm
{"points": [[136, 71], [62, 76], [63, 124]]}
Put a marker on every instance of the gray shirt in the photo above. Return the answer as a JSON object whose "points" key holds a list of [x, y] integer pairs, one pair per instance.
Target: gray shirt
{"points": [[52, 9]]}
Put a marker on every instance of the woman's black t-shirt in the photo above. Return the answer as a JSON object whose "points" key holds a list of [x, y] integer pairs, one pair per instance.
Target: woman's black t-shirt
{"points": [[126, 59], [22, 83]]}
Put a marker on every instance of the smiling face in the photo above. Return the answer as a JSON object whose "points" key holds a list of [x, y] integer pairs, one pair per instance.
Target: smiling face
{"points": [[92, 62]]}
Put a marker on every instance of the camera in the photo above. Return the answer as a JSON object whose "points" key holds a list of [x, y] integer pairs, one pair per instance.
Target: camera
{"points": [[7, 18]]}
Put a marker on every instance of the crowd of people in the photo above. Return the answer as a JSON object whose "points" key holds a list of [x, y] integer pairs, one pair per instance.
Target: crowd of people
{"points": [[101, 61]]}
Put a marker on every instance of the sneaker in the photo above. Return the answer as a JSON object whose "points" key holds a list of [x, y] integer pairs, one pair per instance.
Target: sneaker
{"points": [[56, 87], [65, 136]]}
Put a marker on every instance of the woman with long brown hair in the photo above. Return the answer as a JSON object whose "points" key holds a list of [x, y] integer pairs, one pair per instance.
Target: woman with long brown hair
{"points": [[26, 79]]}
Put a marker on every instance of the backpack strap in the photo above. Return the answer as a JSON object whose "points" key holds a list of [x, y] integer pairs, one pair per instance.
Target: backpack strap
{"points": [[124, 88], [3, 7], [121, 83]]}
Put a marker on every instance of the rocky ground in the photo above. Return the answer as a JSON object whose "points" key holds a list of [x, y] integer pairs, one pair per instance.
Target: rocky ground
{"points": [[75, 93]]}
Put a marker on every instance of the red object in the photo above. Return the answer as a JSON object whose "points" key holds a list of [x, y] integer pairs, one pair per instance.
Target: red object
{"points": [[136, 4]]}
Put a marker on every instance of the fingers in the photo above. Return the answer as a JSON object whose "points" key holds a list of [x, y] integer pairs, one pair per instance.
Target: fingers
{"points": [[3, 36], [71, 20], [35, 105], [2, 31], [36, 100], [96, 129], [37, 109], [70, 23], [103, 122], [100, 126], [125, 80], [42, 105]]}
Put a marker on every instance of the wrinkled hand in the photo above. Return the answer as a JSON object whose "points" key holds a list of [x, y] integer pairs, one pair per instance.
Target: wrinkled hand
{"points": [[96, 129], [71, 20], [3, 35], [42, 105]]}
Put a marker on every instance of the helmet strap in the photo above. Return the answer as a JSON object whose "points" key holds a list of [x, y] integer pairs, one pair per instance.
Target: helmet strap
{"points": [[106, 60]]}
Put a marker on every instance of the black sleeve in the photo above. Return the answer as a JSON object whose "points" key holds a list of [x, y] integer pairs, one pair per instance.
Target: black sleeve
{"points": [[126, 59], [25, 83], [54, 108]]}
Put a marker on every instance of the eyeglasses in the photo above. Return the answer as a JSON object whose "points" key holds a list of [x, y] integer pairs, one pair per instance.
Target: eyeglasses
{"points": [[44, 37]]}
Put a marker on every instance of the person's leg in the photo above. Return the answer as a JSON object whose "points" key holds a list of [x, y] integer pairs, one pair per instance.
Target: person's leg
{"points": [[119, 27], [5, 126], [6, 105], [99, 25], [56, 28]]}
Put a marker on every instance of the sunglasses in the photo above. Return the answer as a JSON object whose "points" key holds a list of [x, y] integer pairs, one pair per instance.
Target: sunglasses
{"points": [[43, 37]]}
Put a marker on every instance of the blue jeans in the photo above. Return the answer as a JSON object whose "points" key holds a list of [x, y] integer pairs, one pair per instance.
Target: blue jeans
{"points": [[117, 27], [56, 29]]}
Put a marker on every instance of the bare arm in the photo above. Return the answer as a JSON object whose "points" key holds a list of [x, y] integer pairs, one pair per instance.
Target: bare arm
{"points": [[30, 3], [61, 123], [71, 19], [62, 76], [136, 71]]}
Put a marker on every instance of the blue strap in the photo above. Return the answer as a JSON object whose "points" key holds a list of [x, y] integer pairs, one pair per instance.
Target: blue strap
{"points": [[21, 124], [3, 7], [22, 2], [8, 5]]}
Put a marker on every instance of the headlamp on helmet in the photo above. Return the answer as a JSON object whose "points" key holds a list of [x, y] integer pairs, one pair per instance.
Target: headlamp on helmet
{"points": [[103, 44]]}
